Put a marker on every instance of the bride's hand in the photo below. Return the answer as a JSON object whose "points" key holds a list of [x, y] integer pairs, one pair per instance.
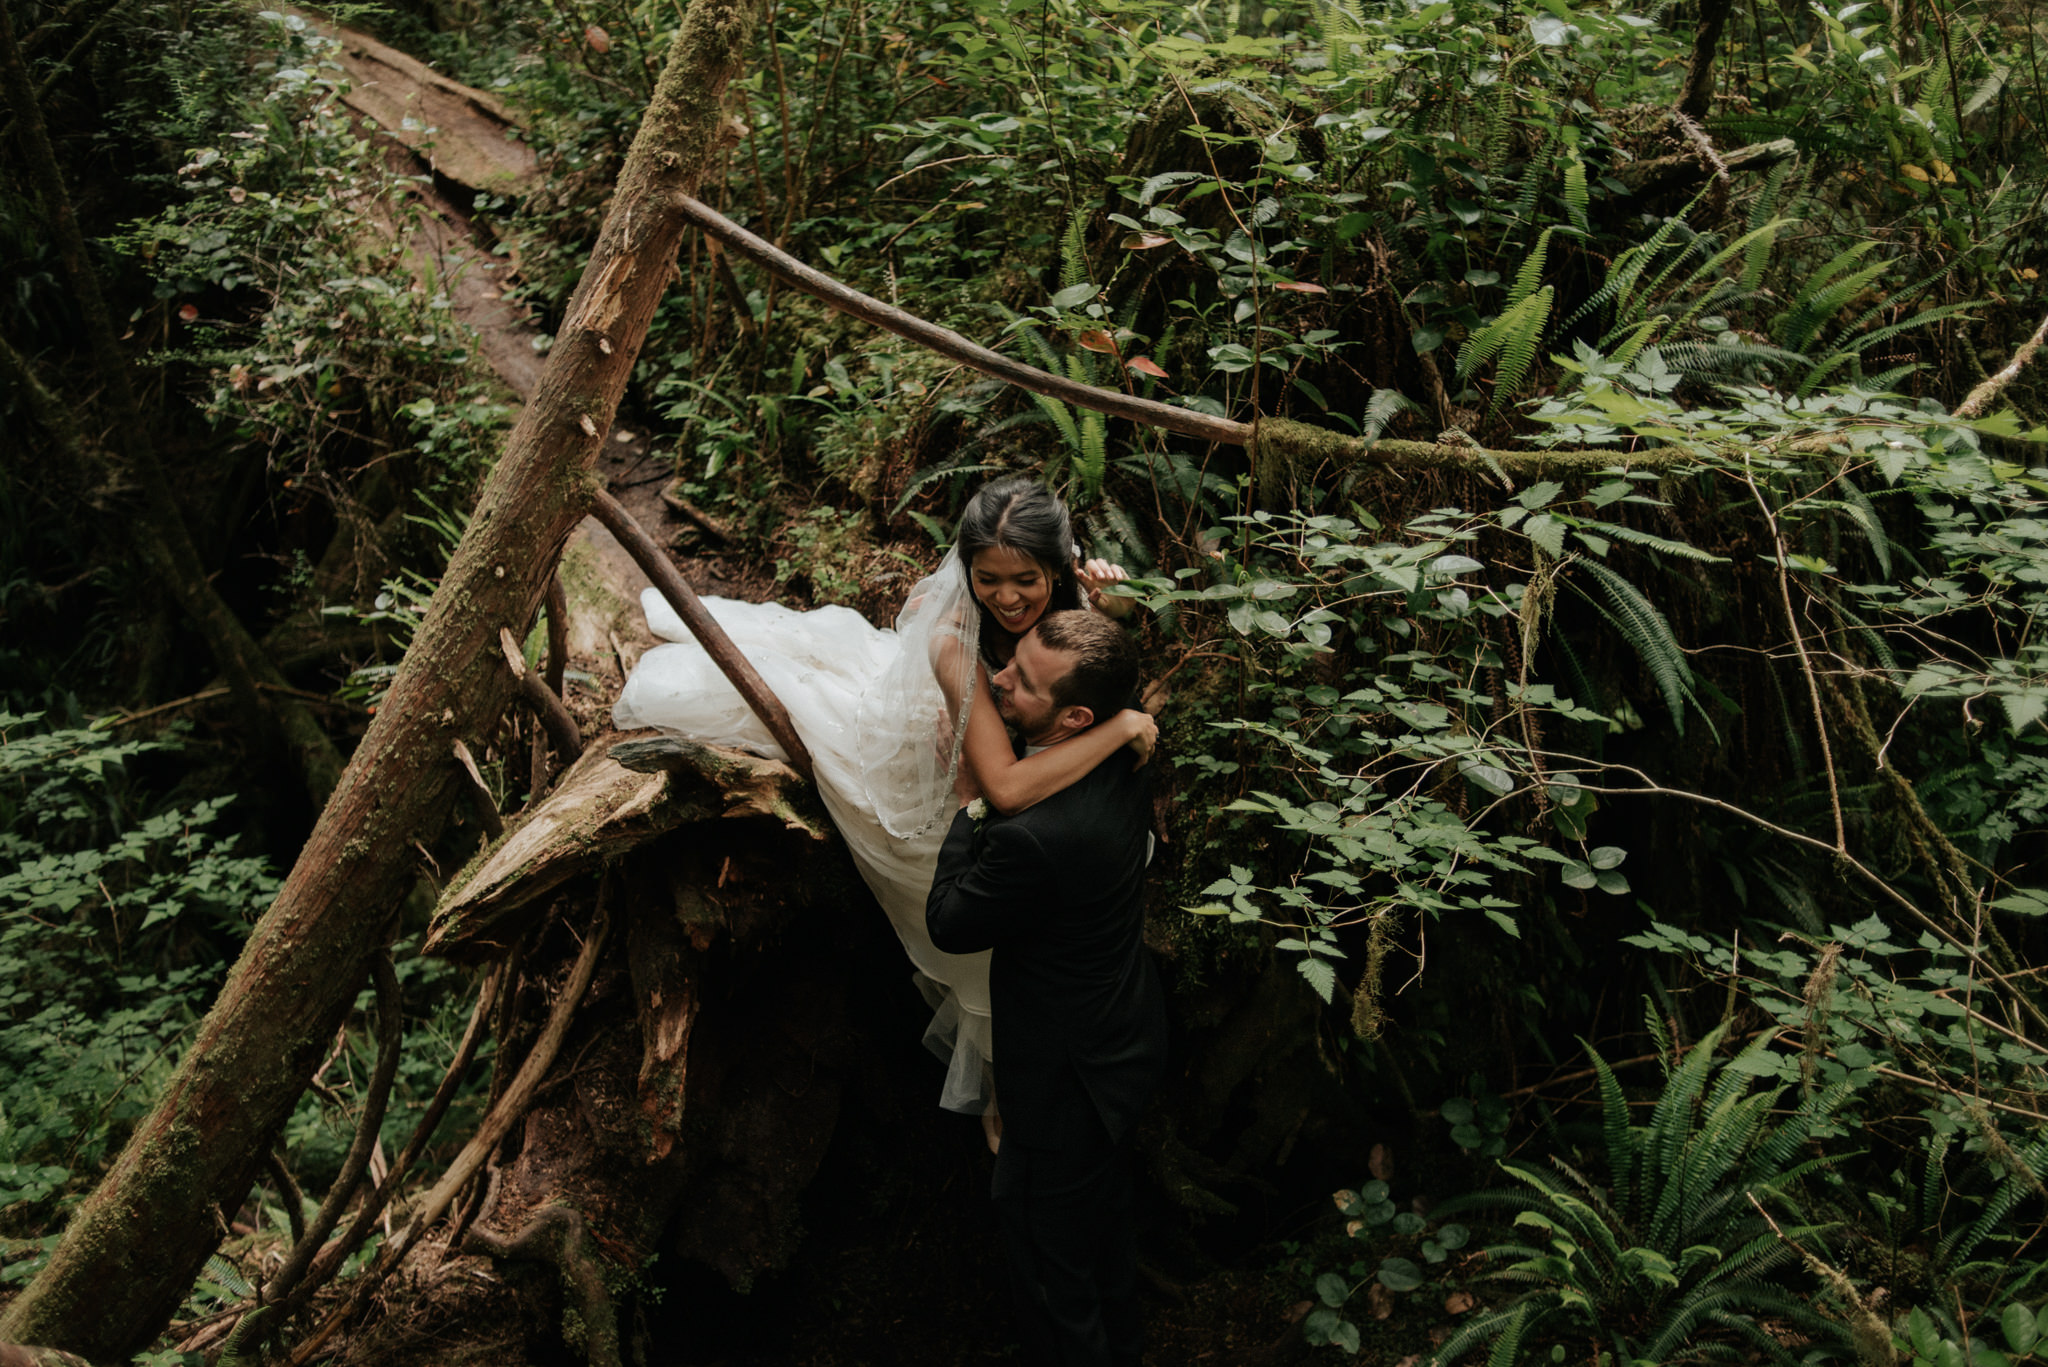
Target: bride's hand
{"points": [[1141, 733], [1097, 575]]}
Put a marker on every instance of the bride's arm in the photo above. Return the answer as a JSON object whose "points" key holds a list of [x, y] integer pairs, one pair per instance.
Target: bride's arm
{"points": [[1011, 784]]}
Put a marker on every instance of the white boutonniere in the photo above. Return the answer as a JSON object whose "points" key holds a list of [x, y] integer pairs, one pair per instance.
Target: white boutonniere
{"points": [[977, 810]]}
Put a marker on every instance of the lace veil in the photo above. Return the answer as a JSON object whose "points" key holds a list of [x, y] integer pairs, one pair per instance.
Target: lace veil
{"points": [[912, 718]]}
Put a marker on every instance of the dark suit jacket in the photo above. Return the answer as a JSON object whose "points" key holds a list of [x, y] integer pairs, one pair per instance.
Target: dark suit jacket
{"points": [[1058, 893]]}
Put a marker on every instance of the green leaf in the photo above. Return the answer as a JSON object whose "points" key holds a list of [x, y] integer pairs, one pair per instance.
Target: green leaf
{"points": [[1333, 1289], [1073, 296], [1321, 977], [1398, 1274], [2024, 903], [2022, 1330]]}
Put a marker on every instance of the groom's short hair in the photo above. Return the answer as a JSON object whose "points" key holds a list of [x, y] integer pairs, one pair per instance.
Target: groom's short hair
{"points": [[1104, 674]]}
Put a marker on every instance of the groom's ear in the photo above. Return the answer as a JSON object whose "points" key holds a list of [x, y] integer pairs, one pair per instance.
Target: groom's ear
{"points": [[1077, 718]]}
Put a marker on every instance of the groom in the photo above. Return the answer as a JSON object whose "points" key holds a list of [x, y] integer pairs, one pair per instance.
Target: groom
{"points": [[1057, 891]]}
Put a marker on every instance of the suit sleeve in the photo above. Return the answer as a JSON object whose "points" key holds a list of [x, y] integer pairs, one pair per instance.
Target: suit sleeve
{"points": [[986, 892]]}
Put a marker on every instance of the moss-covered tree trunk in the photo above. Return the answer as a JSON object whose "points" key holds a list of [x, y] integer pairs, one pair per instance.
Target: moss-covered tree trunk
{"points": [[135, 1245]]}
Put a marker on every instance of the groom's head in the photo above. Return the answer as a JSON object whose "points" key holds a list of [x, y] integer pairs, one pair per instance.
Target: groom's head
{"points": [[1070, 671]]}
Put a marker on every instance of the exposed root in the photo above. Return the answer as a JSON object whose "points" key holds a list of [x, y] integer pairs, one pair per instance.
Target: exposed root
{"points": [[558, 1236]]}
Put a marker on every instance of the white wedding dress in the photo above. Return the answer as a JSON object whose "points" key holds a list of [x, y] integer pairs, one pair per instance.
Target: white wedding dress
{"points": [[884, 731]]}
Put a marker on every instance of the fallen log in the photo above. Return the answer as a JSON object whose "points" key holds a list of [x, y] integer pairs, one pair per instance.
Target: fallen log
{"points": [[598, 811]]}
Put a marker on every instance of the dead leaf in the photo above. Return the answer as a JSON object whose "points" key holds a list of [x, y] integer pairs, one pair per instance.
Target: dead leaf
{"points": [[1299, 287], [1409, 1361], [1458, 1302], [1095, 339], [1145, 365], [1380, 1162], [1139, 242], [189, 312], [1380, 1301], [597, 38], [1344, 1200], [1300, 1311]]}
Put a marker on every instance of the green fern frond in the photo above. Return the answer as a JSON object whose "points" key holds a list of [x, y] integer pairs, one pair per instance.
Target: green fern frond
{"points": [[1535, 173], [1622, 275], [1091, 458], [1671, 1118], [1477, 1330], [1887, 381], [1616, 1130], [1578, 199], [1509, 1344], [1693, 247], [1766, 235], [1531, 272], [228, 1276], [1824, 292], [1074, 250], [1650, 636], [1034, 338], [1062, 418], [1382, 408], [1516, 336], [1964, 1241], [1717, 358], [1621, 531], [1639, 336], [1862, 341]]}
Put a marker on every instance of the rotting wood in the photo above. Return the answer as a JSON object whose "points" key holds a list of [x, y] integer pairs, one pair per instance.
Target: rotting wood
{"points": [[668, 580], [465, 134], [598, 811]]}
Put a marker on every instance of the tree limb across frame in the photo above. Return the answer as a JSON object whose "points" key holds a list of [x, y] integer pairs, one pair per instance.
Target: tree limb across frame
{"points": [[1281, 448]]}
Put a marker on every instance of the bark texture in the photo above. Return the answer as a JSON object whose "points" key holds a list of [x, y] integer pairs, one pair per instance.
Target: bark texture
{"points": [[137, 1242]]}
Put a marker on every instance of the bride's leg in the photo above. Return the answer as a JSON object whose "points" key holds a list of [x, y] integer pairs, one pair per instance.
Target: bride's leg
{"points": [[992, 1123]]}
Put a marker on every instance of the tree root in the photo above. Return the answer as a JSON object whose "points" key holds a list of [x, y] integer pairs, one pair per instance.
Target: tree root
{"points": [[368, 1127], [558, 1236], [493, 1128]]}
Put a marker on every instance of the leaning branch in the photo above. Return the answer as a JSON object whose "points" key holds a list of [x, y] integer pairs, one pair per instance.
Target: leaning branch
{"points": [[704, 627], [1281, 448], [1979, 399]]}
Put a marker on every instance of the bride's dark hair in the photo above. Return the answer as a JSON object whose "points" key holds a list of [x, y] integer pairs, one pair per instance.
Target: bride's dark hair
{"points": [[1019, 514]]}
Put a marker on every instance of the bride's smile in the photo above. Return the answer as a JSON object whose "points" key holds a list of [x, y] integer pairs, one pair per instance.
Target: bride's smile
{"points": [[1012, 586]]}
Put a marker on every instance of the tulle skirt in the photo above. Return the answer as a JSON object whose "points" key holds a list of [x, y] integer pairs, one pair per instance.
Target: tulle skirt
{"points": [[820, 663]]}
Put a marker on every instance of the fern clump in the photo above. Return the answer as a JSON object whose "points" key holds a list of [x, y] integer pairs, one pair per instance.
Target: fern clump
{"points": [[1674, 1259]]}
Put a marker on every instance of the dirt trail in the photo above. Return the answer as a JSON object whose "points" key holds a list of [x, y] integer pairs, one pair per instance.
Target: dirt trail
{"points": [[472, 142]]}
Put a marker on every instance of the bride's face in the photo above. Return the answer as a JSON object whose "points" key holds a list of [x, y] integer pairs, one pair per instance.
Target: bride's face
{"points": [[1012, 586]]}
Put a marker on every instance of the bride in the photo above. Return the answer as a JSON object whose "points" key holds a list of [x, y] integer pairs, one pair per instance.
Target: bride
{"points": [[902, 724]]}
